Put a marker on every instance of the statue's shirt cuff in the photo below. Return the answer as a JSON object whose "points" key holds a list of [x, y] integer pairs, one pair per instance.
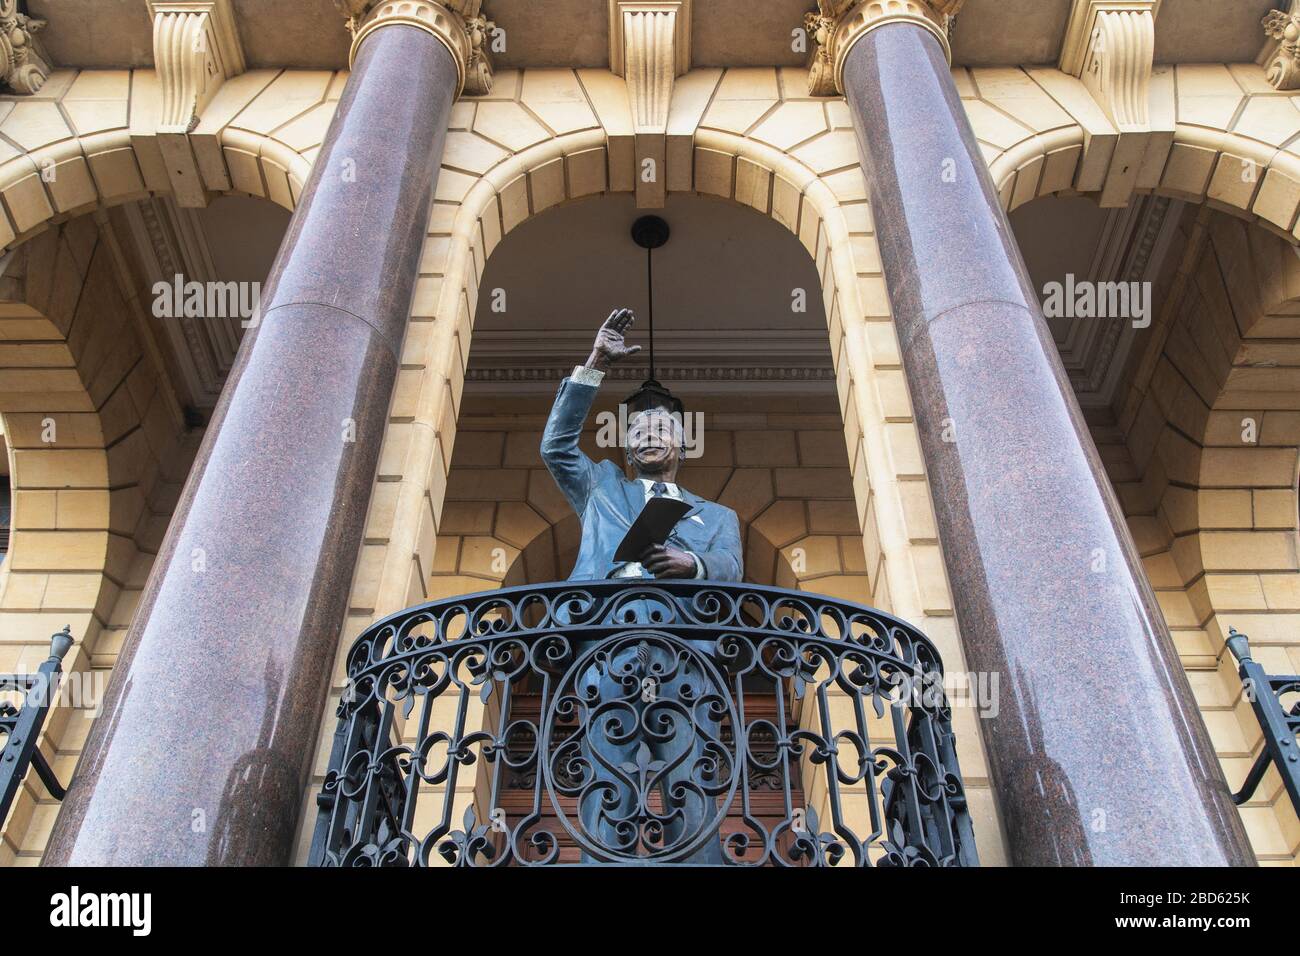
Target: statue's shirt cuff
{"points": [[699, 565], [582, 375]]}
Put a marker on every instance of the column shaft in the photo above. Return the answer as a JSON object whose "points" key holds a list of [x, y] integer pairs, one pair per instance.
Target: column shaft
{"points": [[1098, 753], [209, 728]]}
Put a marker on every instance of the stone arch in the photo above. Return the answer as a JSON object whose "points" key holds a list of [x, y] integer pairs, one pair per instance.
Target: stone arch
{"points": [[1220, 135], [724, 165], [502, 506], [1209, 401], [62, 172], [88, 142], [1040, 165], [74, 352], [1200, 169], [97, 443], [797, 540], [51, 236], [98, 451], [826, 210]]}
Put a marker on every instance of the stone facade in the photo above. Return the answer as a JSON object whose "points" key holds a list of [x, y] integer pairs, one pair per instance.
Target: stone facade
{"points": [[834, 498]]}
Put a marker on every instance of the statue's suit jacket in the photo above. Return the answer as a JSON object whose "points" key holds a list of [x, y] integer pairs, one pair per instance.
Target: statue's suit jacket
{"points": [[608, 502]]}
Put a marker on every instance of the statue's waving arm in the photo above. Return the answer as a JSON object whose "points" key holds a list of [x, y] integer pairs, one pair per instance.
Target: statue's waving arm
{"points": [[572, 470]]}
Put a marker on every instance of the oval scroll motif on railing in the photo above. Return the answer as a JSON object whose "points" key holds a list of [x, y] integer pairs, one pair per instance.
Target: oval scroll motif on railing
{"points": [[641, 716]]}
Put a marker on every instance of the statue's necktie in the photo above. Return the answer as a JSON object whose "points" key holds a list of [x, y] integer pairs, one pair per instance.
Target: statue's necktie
{"points": [[658, 490]]}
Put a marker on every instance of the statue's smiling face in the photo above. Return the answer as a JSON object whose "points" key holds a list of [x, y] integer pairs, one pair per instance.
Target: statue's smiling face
{"points": [[654, 441]]}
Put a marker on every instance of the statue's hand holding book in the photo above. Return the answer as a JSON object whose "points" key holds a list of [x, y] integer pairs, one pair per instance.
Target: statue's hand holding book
{"points": [[652, 527]]}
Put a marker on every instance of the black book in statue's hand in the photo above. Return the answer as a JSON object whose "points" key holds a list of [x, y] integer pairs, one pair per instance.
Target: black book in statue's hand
{"points": [[652, 526]]}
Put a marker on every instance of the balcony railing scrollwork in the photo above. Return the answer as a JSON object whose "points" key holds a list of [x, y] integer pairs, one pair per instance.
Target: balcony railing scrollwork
{"points": [[1275, 698], [21, 722], [647, 723]]}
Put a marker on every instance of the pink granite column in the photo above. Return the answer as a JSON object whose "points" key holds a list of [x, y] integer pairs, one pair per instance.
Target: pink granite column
{"points": [[1097, 751], [209, 729]]}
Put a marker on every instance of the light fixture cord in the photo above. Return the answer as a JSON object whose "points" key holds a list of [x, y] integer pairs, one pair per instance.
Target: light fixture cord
{"points": [[650, 297]]}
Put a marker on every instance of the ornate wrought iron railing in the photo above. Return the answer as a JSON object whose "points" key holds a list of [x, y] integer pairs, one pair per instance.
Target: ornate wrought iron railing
{"points": [[643, 723], [1275, 699], [20, 724]]}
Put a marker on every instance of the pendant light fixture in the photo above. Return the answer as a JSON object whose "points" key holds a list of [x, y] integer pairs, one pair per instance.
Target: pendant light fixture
{"points": [[651, 233]]}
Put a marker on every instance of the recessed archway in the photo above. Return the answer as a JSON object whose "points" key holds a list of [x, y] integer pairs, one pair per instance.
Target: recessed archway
{"points": [[748, 352], [740, 334], [102, 417], [1200, 433]]}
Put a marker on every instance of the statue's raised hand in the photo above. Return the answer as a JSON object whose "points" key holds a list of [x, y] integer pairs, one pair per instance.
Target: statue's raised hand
{"points": [[609, 346]]}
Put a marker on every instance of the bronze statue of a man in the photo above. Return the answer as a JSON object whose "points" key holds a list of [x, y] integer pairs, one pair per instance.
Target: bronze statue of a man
{"points": [[672, 730], [704, 544]]}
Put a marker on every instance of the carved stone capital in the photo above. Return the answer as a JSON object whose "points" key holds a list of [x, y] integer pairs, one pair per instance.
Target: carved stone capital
{"points": [[458, 24], [1281, 57], [23, 65], [195, 49], [837, 25], [478, 72], [1110, 46]]}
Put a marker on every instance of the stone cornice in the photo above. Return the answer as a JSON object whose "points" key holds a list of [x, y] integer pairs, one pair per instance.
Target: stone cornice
{"points": [[1132, 248], [550, 374], [23, 65], [458, 24], [166, 240], [836, 25], [520, 357], [304, 34]]}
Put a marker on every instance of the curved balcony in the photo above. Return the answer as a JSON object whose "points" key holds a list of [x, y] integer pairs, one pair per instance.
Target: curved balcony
{"points": [[647, 723]]}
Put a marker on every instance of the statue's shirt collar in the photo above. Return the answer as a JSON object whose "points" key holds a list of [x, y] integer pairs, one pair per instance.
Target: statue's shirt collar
{"points": [[648, 483]]}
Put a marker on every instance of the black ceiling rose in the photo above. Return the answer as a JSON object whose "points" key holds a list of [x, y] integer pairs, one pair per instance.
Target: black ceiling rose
{"points": [[650, 232]]}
